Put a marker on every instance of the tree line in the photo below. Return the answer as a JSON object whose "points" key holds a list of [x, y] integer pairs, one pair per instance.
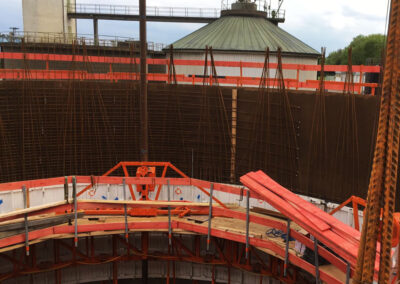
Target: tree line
{"points": [[366, 50]]}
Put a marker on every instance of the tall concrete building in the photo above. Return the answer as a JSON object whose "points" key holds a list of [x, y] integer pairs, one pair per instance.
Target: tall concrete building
{"points": [[48, 16]]}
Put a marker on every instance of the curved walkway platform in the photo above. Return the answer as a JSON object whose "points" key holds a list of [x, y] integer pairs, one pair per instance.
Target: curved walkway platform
{"points": [[217, 232]]}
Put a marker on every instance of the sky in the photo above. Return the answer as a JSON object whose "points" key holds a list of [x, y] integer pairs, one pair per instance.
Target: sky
{"points": [[319, 23]]}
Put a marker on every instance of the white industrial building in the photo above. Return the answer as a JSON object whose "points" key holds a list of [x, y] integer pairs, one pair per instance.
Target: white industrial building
{"points": [[243, 33]]}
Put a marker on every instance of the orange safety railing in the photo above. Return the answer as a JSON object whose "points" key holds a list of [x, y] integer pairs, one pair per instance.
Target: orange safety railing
{"points": [[355, 202], [293, 83]]}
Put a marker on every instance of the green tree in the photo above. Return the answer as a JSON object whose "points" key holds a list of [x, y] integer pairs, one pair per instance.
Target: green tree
{"points": [[365, 49]]}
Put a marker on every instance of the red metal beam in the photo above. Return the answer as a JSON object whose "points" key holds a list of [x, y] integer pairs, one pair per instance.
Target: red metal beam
{"points": [[341, 246], [160, 186], [21, 74], [180, 62]]}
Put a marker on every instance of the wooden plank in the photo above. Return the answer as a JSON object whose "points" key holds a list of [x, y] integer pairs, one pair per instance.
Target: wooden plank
{"points": [[301, 203], [86, 203], [262, 220], [198, 219], [287, 195], [334, 241], [278, 201], [31, 209], [334, 271], [267, 212]]}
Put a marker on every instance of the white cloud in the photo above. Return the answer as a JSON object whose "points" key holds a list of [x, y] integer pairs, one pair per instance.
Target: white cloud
{"points": [[333, 23]]}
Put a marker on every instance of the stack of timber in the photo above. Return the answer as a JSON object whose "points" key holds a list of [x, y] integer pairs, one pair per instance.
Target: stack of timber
{"points": [[340, 238]]}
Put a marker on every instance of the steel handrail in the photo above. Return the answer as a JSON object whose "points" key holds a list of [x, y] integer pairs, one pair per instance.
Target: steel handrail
{"points": [[151, 11], [83, 8]]}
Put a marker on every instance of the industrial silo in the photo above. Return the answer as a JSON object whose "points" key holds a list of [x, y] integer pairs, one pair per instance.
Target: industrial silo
{"points": [[243, 33]]}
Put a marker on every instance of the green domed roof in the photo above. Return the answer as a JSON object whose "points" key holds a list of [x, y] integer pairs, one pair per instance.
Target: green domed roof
{"points": [[243, 33]]}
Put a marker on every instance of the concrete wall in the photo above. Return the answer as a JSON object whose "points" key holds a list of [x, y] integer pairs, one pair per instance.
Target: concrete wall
{"points": [[244, 57], [48, 16], [70, 27]]}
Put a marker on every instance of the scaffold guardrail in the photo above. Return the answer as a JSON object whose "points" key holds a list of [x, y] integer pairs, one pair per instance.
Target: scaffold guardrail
{"points": [[114, 76], [181, 12], [69, 38], [151, 11]]}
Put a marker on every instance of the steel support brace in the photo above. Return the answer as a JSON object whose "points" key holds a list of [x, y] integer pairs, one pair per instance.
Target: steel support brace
{"points": [[25, 194], [287, 248], [75, 211], [241, 194], [247, 223], [169, 216], [66, 190], [348, 273], [125, 210], [210, 217], [316, 261]]}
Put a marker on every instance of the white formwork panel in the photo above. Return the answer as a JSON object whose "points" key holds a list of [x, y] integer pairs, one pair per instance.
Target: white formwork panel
{"points": [[44, 195], [11, 201]]}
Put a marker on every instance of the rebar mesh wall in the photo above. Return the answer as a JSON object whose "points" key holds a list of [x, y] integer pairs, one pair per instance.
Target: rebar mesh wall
{"points": [[57, 128], [335, 171]]}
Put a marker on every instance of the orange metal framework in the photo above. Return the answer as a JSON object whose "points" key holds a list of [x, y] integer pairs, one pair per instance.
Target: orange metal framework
{"points": [[165, 166], [20, 74], [180, 209], [152, 208], [355, 202], [176, 224]]}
